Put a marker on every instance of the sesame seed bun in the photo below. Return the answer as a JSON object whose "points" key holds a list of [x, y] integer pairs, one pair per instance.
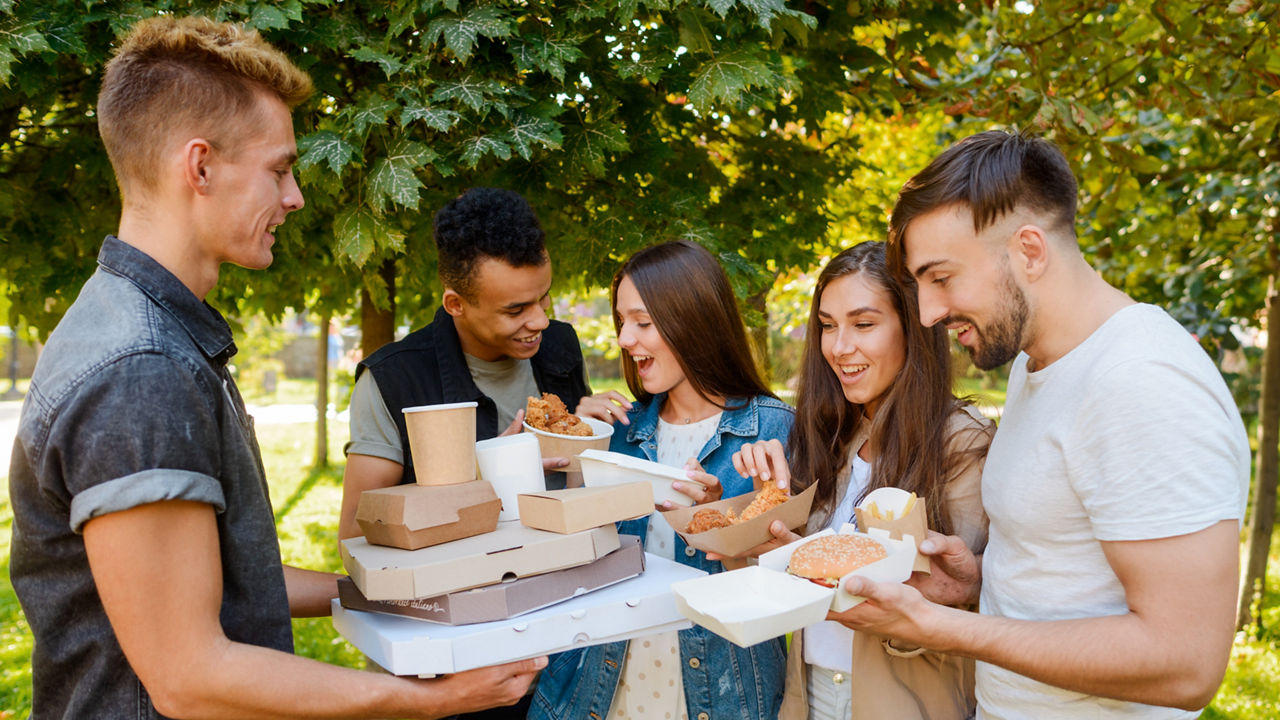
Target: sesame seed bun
{"points": [[827, 559]]}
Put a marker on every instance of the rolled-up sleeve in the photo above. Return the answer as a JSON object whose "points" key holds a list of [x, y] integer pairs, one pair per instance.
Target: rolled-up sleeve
{"points": [[143, 429]]}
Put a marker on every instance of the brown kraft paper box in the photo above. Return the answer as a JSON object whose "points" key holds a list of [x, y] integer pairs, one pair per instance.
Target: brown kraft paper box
{"points": [[737, 539], [913, 524], [417, 516], [576, 509], [508, 599]]}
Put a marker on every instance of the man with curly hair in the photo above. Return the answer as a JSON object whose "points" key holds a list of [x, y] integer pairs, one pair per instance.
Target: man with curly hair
{"points": [[144, 546]]}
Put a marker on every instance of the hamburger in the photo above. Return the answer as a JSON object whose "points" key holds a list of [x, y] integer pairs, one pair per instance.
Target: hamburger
{"points": [[827, 559]]}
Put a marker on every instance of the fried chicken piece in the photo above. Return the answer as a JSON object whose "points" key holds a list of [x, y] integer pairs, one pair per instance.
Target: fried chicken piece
{"points": [[709, 519], [768, 498], [548, 414]]}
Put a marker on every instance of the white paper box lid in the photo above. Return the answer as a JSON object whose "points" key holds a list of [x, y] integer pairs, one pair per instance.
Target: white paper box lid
{"points": [[600, 467], [643, 605], [753, 604]]}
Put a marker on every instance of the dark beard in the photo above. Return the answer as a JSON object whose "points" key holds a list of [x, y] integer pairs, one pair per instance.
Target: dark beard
{"points": [[1002, 339]]}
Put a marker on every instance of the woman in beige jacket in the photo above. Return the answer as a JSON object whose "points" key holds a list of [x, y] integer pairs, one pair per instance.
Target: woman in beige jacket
{"points": [[875, 409]]}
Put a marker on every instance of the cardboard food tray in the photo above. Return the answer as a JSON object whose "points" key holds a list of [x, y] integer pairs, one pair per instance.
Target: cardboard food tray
{"points": [[512, 550], [417, 516], [737, 539], [577, 509], [509, 599], [643, 605], [753, 604], [601, 468]]}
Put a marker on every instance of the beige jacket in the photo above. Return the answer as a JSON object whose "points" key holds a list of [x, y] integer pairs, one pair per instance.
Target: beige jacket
{"points": [[924, 686]]}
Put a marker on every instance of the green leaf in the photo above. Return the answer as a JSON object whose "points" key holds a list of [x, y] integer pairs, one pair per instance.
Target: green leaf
{"points": [[373, 110], [529, 130], [18, 38], [474, 149], [549, 55], [325, 146], [390, 65], [460, 33], [267, 17], [466, 90], [358, 233], [724, 77], [436, 118], [589, 145], [394, 178]]}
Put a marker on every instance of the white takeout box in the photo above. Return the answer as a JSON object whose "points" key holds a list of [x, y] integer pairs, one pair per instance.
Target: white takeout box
{"points": [[753, 604], [600, 467], [511, 551], [643, 605]]}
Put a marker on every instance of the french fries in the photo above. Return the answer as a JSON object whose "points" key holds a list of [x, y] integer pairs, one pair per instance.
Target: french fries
{"points": [[876, 513]]}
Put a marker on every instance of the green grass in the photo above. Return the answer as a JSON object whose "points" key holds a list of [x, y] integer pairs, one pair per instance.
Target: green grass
{"points": [[306, 503]]}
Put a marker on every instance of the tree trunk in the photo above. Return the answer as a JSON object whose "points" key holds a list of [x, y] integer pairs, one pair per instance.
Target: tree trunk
{"points": [[1262, 515], [321, 455], [378, 326], [759, 337]]}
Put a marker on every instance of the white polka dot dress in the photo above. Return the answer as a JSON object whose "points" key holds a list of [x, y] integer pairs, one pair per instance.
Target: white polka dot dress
{"points": [[651, 686]]}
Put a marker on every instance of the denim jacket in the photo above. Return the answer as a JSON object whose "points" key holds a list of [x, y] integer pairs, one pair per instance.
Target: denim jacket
{"points": [[721, 680]]}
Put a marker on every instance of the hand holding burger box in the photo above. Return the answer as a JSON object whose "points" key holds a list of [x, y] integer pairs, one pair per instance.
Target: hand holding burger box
{"points": [[897, 511], [754, 604]]}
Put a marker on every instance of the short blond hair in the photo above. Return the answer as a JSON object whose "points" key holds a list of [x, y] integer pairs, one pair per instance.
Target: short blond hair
{"points": [[189, 75]]}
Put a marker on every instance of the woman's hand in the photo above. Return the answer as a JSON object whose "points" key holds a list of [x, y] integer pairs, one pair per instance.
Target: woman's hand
{"points": [[607, 406], [764, 461], [703, 486]]}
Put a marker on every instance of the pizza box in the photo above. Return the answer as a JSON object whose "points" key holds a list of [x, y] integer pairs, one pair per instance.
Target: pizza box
{"points": [[643, 605], [417, 516], [511, 551], [576, 509], [737, 539], [753, 604], [600, 467], [508, 599]]}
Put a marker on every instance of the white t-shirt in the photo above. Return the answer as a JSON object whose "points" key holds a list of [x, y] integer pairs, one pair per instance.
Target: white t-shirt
{"points": [[1132, 435], [828, 644]]}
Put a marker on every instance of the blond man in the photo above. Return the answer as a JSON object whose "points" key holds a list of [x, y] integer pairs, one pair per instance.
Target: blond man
{"points": [[144, 548]]}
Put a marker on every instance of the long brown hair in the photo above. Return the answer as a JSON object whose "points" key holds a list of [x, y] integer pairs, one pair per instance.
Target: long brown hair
{"points": [[690, 301], [908, 433]]}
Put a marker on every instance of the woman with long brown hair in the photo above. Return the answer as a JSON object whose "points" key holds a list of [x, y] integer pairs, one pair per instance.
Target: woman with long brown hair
{"points": [[875, 409], [699, 398]]}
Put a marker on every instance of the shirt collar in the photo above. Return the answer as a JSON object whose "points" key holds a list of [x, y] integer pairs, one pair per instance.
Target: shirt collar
{"points": [[205, 325]]}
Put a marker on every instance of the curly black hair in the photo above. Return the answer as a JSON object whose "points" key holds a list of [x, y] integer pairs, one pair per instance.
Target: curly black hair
{"points": [[485, 223]]}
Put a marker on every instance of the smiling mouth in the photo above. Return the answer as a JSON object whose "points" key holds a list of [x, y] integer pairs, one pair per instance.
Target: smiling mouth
{"points": [[642, 361], [531, 339], [853, 369]]}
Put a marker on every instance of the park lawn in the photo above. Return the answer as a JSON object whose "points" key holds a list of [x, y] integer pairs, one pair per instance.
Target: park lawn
{"points": [[306, 503]]}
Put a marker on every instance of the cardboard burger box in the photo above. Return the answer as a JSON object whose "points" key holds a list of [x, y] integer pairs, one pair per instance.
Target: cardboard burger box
{"points": [[417, 516], [637, 607], [510, 551], [743, 536], [577, 509], [601, 468], [508, 599], [753, 604]]}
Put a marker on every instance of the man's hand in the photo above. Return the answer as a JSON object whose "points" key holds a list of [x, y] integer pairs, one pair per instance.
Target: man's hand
{"points": [[607, 406], [549, 464], [489, 687], [894, 610], [703, 488], [764, 461], [955, 573]]}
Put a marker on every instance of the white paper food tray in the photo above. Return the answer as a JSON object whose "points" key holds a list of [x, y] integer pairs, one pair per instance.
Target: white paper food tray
{"points": [[600, 467], [753, 604], [643, 605]]}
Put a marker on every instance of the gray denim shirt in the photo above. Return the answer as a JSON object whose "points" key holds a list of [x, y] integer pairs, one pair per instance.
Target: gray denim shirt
{"points": [[130, 404]]}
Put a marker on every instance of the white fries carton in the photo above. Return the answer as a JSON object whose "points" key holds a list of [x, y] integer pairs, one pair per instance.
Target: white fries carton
{"points": [[643, 605], [753, 604]]}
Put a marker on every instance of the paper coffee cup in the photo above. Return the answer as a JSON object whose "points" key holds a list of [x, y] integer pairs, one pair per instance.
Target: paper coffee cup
{"points": [[512, 465], [442, 439]]}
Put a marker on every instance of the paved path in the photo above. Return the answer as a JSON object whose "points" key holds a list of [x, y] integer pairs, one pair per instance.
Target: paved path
{"points": [[262, 415]]}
